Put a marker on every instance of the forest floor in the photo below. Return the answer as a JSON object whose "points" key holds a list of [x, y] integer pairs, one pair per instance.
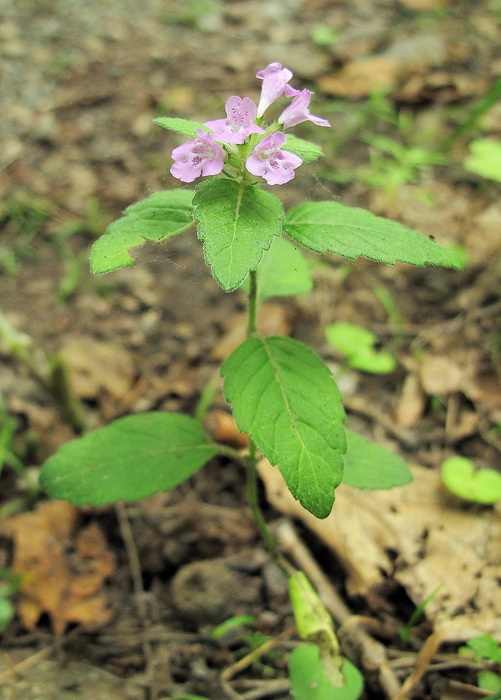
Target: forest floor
{"points": [[404, 85]]}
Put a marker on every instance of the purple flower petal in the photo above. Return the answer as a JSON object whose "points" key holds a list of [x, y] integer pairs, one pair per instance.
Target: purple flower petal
{"points": [[270, 162], [199, 157], [298, 111], [239, 122], [275, 79]]}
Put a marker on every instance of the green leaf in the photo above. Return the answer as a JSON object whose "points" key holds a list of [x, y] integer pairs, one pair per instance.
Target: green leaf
{"points": [[371, 466], [236, 223], [485, 158], [357, 344], [129, 459], [283, 271], [314, 624], [485, 647], [479, 485], [182, 126], [304, 149], [286, 398], [489, 680], [7, 612], [309, 682], [330, 227], [160, 216]]}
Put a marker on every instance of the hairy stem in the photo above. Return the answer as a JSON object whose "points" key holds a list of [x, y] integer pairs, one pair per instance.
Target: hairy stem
{"points": [[251, 462], [252, 309]]}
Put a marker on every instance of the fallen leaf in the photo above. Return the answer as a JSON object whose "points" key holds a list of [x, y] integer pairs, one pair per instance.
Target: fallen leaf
{"points": [[439, 375], [362, 77], [424, 4], [95, 366], [62, 571], [411, 402], [222, 427], [441, 546]]}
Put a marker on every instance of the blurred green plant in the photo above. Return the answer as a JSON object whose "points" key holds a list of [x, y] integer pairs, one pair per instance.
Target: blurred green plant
{"points": [[324, 36], [357, 344], [484, 648], [9, 585], [484, 158], [405, 631], [461, 478]]}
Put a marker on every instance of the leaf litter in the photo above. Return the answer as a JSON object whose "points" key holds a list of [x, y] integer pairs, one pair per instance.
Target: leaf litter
{"points": [[85, 108]]}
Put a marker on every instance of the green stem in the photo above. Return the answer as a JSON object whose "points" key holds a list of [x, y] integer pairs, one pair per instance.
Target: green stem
{"points": [[253, 501], [251, 324], [251, 462]]}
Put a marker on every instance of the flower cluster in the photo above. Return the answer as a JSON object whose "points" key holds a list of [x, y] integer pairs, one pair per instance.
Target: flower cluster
{"points": [[205, 156]]}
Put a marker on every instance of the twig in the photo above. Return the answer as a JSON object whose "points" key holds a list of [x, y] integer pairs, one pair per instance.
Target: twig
{"points": [[137, 580], [249, 658], [25, 664], [372, 654], [270, 688], [423, 661]]}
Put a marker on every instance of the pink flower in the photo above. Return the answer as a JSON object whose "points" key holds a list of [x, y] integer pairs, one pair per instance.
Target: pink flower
{"points": [[270, 162], [199, 157], [240, 115], [274, 78], [298, 111]]}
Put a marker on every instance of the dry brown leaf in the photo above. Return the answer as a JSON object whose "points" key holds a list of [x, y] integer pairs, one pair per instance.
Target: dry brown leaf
{"points": [[424, 4], [440, 546], [440, 374], [222, 427], [95, 366], [411, 402], [362, 77], [62, 572]]}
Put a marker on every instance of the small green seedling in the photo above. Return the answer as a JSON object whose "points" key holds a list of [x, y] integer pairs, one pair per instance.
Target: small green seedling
{"points": [[418, 613], [309, 681], [394, 164], [485, 158], [9, 584], [461, 477], [357, 344], [484, 648], [317, 670]]}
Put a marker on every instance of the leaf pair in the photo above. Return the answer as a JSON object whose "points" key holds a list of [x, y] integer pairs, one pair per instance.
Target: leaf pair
{"points": [[238, 223]]}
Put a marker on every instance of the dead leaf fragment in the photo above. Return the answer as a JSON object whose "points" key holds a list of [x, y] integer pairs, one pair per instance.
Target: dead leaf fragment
{"points": [[440, 546], [411, 402], [440, 375], [62, 572], [362, 77], [95, 366], [424, 4]]}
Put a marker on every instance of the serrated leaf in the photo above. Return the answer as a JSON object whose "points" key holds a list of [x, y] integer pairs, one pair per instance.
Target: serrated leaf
{"points": [[129, 459], [286, 398], [181, 126], [304, 149], [160, 216], [330, 227], [283, 271], [236, 223], [371, 466]]}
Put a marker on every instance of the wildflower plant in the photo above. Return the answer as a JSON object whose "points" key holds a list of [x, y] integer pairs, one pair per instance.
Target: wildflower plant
{"points": [[282, 394]]}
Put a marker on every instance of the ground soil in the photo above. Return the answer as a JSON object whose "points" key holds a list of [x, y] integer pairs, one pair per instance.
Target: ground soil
{"points": [[81, 84]]}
